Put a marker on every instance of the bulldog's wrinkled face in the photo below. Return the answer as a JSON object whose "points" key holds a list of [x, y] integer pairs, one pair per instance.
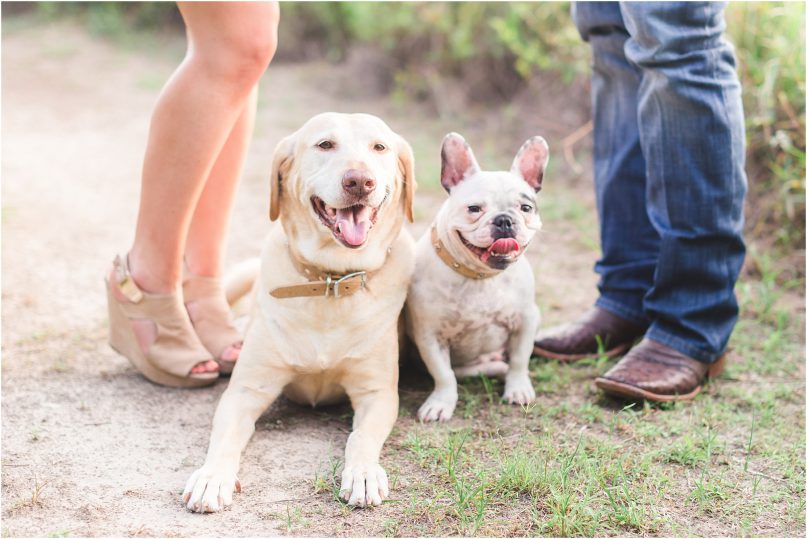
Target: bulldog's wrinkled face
{"points": [[493, 214], [346, 170]]}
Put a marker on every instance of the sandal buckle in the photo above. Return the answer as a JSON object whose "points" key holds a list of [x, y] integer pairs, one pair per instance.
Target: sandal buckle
{"points": [[126, 284]]}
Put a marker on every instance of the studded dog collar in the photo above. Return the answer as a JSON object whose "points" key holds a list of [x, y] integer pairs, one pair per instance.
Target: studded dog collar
{"points": [[452, 263], [321, 282]]}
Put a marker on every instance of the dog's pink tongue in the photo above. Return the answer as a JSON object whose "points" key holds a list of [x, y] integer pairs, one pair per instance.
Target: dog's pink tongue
{"points": [[503, 246], [353, 224]]}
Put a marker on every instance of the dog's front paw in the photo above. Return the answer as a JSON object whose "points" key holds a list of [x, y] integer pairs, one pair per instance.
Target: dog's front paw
{"points": [[364, 484], [438, 407], [209, 490], [518, 390]]}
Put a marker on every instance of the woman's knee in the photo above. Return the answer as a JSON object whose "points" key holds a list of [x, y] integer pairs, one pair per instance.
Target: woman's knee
{"points": [[237, 46], [244, 58]]}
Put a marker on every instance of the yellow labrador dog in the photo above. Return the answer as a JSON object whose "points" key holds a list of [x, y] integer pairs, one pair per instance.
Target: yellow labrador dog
{"points": [[331, 286]]}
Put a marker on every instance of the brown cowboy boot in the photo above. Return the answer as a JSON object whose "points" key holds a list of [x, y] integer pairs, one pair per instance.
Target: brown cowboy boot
{"points": [[655, 372], [579, 339]]}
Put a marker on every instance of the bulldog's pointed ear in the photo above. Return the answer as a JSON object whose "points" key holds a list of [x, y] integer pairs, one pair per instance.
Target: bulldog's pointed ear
{"points": [[530, 162], [282, 160], [458, 161]]}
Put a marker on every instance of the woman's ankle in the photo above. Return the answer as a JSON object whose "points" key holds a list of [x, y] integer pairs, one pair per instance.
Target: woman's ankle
{"points": [[150, 277], [202, 266]]}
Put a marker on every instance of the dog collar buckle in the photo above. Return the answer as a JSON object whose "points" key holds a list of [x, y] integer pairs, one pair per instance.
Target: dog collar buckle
{"points": [[322, 283], [334, 284]]}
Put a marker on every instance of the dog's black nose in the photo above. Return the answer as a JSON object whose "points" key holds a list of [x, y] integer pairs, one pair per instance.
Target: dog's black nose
{"points": [[503, 222]]}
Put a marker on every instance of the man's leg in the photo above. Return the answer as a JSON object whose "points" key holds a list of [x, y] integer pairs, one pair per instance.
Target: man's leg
{"points": [[692, 136], [629, 241]]}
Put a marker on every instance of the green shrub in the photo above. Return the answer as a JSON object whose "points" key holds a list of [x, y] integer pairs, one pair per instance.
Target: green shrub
{"points": [[496, 47], [114, 18], [769, 38]]}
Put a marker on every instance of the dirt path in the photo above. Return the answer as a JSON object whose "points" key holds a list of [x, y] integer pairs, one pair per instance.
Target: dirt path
{"points": [[89, 447]]}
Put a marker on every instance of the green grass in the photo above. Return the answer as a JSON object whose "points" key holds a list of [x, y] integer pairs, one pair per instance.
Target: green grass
{"points": [[555, 206], [579, 464]]}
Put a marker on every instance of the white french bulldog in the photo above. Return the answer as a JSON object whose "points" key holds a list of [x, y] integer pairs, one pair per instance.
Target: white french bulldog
{"points": [[471, 307]]}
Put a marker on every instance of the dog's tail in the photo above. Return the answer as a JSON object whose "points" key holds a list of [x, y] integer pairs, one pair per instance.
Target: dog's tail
{"points": [[239, 281]]}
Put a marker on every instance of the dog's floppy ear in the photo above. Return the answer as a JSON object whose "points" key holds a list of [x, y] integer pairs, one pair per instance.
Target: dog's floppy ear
{"points": [[530, 162], [406, 164], [458, 161], [282, 160]]}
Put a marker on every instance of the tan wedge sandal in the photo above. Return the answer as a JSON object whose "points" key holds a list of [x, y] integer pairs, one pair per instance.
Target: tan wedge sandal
{"points": [[175, 351], [211, 316]]}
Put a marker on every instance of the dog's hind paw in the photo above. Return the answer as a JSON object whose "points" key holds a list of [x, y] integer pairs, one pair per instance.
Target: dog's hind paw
{"points": [[209, 491], [364, 485]]}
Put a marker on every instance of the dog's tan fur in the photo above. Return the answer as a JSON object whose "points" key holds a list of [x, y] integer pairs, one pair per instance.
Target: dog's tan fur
{"points": [[313, 349]]}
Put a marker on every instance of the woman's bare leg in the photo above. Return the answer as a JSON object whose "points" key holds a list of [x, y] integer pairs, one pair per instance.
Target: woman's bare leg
{"points": [[229, 47], [204, 250], [207, 235]]}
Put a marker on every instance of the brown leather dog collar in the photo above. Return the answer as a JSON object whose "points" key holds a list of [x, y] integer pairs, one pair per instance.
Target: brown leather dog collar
{"points": [[452, 263], [322, 283]]}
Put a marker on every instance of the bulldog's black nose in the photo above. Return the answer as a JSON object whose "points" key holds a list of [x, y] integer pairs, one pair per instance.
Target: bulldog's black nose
{"points": [[503, 222]]}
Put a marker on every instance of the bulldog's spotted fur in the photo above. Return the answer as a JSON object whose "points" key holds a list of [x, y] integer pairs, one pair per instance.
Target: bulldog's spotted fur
{"points": [[469, 326]]}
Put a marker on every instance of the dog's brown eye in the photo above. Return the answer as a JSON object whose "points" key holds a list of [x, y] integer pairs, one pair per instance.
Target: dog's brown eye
{"points": [[379, 147], [326, 145], [474, 209], [526, 208]]}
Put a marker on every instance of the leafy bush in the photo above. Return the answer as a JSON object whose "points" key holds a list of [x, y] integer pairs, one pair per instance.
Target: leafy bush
{"points": [[493, 47], [769, 38], [111, 18]]}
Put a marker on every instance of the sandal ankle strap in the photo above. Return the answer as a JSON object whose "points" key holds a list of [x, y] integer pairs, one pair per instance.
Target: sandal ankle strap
{"points": [[125, 281]]}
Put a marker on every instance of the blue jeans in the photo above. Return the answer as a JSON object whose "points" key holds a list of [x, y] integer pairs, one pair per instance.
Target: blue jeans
{"points": [[669, 153]]}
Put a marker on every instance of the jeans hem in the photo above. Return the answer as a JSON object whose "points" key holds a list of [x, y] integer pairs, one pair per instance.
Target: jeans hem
{"points": [[680, 345], [620, 310]]}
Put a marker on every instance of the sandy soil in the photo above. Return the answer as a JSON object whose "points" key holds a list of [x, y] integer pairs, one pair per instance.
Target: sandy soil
{"points": [[90, 447]]}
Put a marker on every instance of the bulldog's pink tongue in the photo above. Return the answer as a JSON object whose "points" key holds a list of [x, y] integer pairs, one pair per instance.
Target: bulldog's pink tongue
{"points": [[353, 224], [503, 246]]}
